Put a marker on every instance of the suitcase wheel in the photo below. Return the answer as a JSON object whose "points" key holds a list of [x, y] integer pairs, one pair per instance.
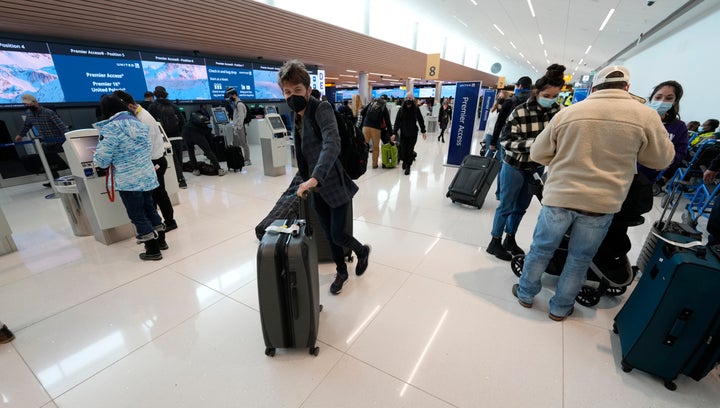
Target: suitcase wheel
{"points": [[670, 385], [588, 297], [315, 351], [615, 329], [625, 367], [516, 264], [270, 352]]}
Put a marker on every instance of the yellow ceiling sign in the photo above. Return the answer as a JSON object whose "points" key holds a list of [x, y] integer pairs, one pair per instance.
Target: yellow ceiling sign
{"points": [[432, 68]]}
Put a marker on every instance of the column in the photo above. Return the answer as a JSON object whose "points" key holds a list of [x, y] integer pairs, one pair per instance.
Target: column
{"points": [[363, 88], [438, 92], [410, 85]]}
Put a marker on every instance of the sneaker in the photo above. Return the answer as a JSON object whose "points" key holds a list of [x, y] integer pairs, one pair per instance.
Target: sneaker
{"points": [[514, 292], [496, 248], [407, 171], [336, 286], [182, 184], [150, 257], [362, 262], [196, 172], [221, 172], [557, 318], [6, 336], [170, 225]]}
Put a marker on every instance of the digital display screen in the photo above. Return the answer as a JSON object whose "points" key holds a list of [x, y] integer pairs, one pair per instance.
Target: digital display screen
{"points": [[223, 74], [448, 91], [85, 147], [425, 92], [265, 78], [276, 123], [89, 73], [271, 109], [66, 73], [184, 78], [27, 67], [220, 116]]}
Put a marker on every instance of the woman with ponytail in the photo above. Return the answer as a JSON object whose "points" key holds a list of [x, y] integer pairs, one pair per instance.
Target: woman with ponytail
{"points": [[518, 171]]}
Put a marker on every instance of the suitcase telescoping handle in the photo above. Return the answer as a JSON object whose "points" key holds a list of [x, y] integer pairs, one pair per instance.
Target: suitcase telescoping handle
{"points": [[678, 327], [672, 203]]}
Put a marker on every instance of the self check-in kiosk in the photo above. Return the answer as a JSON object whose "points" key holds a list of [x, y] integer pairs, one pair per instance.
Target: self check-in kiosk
{"points": [[273, 143], [108, 220], [221, 124]]}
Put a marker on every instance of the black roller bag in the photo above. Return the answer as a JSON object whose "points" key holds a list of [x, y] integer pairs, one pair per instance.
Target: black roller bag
{"points": [[473, 180], [671, 322], [288, 288], [235, 159]]}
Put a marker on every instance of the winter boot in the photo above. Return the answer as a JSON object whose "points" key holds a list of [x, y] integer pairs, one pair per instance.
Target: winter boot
{"points": [[511, 246], [161, 240], [497, 249], [152, 251]]}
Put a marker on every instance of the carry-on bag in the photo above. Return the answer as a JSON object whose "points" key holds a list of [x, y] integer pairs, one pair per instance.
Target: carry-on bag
{"points": [[473, 180], [235, 159], [288, 287], [218, 147], [389, 155]]}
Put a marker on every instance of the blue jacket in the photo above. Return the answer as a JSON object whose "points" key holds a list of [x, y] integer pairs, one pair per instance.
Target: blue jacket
{"points": [[319, 154], [124, 142]]}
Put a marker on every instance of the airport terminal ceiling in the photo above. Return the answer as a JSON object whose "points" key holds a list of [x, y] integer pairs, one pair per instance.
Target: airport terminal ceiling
{"points": [[258, 31]]}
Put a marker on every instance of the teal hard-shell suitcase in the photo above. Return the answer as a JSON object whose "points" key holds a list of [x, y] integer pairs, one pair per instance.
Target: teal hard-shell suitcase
{"points": [[671, 322]]}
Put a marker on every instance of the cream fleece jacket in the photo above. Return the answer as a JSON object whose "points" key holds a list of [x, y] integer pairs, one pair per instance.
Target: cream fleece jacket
{"points": [[591, 149]]}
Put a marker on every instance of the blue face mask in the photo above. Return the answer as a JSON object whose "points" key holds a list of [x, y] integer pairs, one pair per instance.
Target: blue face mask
{"points": [[660, 107], [545, 102], [700, 129]]}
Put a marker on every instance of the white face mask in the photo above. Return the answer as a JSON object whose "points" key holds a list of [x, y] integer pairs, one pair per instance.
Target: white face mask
{"points": [[545, 102], [660, 106]]}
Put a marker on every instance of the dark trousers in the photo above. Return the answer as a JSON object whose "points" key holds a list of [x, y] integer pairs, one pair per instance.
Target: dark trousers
{"points": [[406, 152], [713, 225], [195, 138], [333, 221], [177, 146], [160, 195], [140, 209], [54, 160]]}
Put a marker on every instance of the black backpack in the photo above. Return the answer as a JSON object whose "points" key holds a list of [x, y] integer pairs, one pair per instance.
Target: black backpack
{"points": [[375, 111], [168, 119], [248, 116], [353, 149]]}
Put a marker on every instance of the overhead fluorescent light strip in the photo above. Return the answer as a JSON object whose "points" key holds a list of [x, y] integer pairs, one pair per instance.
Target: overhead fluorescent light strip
{"points": [[473, 2], [498, 28], [545, 51], [588, 49], [541, 40], [610, 13], [532, 10], [513, 45], [350, 70], [521, 54]]}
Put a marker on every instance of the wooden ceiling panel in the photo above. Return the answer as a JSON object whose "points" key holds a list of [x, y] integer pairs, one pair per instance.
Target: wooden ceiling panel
{"points": [[239, 28]]}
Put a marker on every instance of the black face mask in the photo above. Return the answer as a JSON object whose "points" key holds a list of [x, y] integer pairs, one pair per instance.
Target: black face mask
{"points": [[408, 103], [33, 108], [297, 102], [500, 101]]}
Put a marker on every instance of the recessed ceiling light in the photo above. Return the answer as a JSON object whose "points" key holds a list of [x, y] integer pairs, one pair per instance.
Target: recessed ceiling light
{"points": [[498, 28]]}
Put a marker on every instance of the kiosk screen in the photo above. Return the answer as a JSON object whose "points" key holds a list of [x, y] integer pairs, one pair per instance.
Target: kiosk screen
{"points": [[85, 147], [270, 109], [276, 123], [220, 116]]}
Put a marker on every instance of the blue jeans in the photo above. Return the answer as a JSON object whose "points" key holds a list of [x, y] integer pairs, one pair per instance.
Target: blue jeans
{"points": [[141, 210], [333, 222], [515, 198], [586, 235]]}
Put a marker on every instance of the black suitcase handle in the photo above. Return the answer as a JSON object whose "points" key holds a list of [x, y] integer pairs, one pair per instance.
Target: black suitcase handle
{"points": [[678, 327]]}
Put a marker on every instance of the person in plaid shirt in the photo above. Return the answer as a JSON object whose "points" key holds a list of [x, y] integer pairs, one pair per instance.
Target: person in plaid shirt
{"points": [[518, 171], [48, 125]]}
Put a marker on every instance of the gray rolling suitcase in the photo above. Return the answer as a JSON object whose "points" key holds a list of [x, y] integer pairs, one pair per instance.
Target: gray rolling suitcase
{"points": [[288, 288], [473, 180]]}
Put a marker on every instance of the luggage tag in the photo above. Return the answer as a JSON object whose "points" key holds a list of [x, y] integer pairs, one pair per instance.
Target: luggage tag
{"points": [[284, 229]]}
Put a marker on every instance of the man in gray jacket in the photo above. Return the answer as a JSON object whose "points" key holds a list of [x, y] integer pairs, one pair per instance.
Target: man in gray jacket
{"points": [[239, 133], [591, 150], [317, 147]]}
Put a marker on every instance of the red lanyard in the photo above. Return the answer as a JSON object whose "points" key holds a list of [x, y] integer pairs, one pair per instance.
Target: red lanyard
{"points": [[111, 190]]}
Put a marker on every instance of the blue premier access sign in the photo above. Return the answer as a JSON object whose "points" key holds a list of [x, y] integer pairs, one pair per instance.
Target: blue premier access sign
{"points": [[487, 102], [463, 121]]}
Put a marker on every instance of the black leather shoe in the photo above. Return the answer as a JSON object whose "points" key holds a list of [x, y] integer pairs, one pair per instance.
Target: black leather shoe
{"points": [[6, 336], [496, 248]]}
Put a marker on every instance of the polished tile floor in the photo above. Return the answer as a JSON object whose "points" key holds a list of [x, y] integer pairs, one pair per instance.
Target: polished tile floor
{"points": [[431, 324]]}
